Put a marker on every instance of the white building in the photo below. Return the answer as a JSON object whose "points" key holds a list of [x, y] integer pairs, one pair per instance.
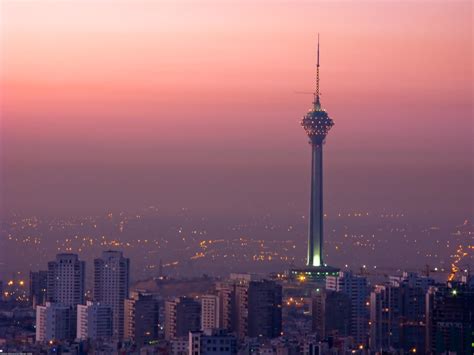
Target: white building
{"points": [[357, 289], [53, 322], [210, 312], [94, 321], [111, 285], [212, 342]]}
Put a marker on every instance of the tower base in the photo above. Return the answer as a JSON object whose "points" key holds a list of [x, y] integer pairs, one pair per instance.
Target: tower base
{"points": [[316, 274]]}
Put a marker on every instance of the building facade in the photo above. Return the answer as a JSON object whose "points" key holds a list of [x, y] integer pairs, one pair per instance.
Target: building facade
{"points": [[38, 287], [450, 320], [53, 322], [66, 280], [356, 287], [111, 285], [182, 315], [212, 342], [226, 294], [251, 306], [210, 312], [66, 288], [141, 318], [397, 313], [94, 321], [331, 313]]}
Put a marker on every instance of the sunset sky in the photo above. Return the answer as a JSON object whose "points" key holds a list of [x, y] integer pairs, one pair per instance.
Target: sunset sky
{"points": [[124, 104]]}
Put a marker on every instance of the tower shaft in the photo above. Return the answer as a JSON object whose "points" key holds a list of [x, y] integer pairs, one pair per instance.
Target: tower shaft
{"points": [[315, 233]]}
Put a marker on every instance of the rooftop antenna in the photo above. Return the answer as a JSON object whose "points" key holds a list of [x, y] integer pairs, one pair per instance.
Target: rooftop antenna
{"points": [[317, 103]]}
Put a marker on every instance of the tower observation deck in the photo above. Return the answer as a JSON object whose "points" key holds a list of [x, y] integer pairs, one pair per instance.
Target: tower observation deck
{"points": [[316, 124]]}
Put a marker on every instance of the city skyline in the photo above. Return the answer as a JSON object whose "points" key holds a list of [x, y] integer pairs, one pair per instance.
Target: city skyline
{"points": [[344, 311]]}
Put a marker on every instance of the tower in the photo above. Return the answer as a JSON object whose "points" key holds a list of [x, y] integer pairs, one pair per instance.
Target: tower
{"points": [[316, 124]]}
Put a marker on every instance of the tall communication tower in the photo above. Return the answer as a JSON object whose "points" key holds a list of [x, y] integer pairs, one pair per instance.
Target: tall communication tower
{"points": [[316, 124]]}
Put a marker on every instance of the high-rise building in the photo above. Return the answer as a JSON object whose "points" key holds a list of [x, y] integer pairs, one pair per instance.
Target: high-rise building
{"points": [[38, 286], [66, 287], [264, 315], [382, 327], [66, 279], [433, 293], [141, 318], [94, 321], [252, 306], [226, 294], [450, 320], [357, 289], [397, 313], [316, 124], [210, 312], [211, 342], [331, 313], [111, 285], [182, 315], [53, 322]]}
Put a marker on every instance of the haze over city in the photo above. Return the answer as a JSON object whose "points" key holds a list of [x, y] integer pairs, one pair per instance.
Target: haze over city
{"points": [[118, 106], [236, 177]]}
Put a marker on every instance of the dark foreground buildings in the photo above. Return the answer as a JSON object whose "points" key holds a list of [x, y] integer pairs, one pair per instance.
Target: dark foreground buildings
{"points": [[141, 314], [450, 320], [182, 315], [331, 312], [251, 307], [38, 286], [407, 313]]}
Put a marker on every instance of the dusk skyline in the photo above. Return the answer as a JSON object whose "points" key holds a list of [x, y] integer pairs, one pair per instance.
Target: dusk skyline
{"points": [[236, 177], [120, 106]]}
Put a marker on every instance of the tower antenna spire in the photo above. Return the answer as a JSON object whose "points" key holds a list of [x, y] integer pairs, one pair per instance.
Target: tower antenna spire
{"points": [[317, 103]]}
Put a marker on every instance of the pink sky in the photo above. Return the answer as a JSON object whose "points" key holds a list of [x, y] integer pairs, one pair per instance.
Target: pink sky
{"points": [[207, 85]]}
